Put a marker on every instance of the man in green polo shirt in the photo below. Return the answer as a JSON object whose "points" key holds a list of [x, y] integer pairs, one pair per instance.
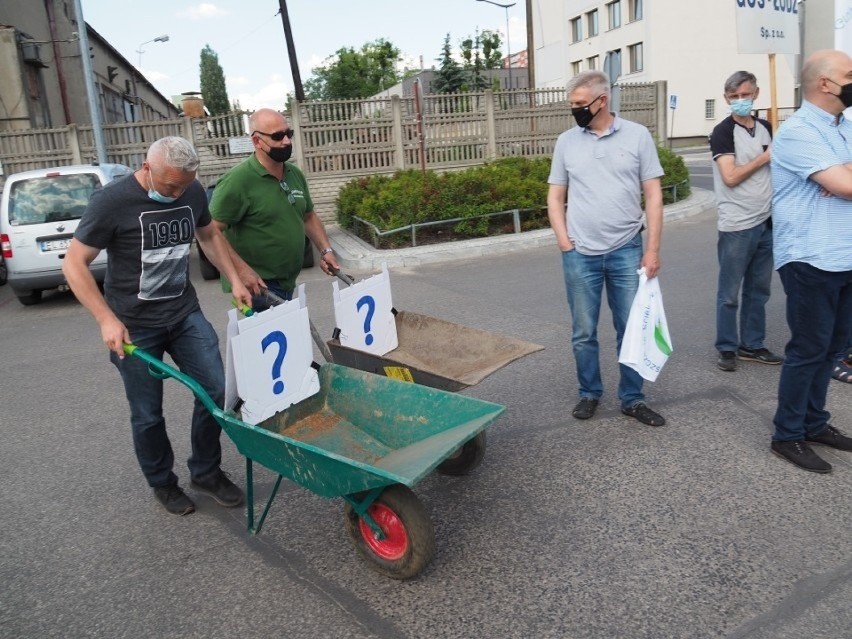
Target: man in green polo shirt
{"points": [[264, 208]]}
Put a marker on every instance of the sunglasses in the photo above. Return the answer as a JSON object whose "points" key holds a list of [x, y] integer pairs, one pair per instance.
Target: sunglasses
{"points": [[286, 188], [278, 135]]}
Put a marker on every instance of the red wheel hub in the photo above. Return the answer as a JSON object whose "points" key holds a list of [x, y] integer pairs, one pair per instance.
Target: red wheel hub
{"points": [[395, 543]]}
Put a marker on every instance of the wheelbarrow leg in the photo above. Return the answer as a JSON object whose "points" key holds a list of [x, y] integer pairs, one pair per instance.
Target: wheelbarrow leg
{"points": [[250, 499]]}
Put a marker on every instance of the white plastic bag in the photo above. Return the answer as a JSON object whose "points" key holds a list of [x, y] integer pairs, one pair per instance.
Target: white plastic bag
{"points": [[646, 344]]}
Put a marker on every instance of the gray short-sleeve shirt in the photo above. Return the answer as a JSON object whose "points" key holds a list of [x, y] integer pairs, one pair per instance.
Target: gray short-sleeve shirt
{"points": [[604, 177]]}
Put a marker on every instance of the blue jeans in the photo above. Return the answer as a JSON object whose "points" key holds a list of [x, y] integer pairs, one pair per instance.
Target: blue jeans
{"points": [[261, 303], [745, 257], [585, 277], [819, 314], [194, 346]]}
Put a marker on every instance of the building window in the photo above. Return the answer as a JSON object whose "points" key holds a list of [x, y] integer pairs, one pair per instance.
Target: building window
{"points": [[593, 62], [576, 30], [635, 10], [592, 23], [710, 109], [613, 10], [576, 67], [636, 58]]}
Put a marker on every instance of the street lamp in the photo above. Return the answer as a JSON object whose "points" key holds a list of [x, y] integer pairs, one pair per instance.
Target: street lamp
{"points": [[140, 51], [508, 46]]}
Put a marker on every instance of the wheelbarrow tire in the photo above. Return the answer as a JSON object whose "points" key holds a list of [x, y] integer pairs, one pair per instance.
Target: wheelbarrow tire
{"points": [[409, 541], [467, 457]]}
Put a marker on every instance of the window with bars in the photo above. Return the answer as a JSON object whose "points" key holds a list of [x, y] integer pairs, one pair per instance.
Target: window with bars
{"points": [[710, 109], [636, 57]]}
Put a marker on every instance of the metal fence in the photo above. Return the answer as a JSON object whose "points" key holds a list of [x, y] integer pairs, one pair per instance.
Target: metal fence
{"points": [[337, 140]]}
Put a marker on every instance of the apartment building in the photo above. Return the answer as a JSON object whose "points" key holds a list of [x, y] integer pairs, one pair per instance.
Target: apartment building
{"points": [[691, 45]]}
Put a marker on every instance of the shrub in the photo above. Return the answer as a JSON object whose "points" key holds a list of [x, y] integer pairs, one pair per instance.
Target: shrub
{"points": [[412, 197]]}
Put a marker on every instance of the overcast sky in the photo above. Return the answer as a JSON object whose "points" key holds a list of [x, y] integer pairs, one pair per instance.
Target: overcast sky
{"points": [[248, 36]]}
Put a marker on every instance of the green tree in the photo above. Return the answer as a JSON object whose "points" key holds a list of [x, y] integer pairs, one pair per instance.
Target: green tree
{"points": [[449, 78], [355, 74], [213, 83]]}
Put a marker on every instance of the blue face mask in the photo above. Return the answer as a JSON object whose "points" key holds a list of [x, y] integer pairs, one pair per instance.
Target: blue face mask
{"points": [[742, 107], [156, 195]]}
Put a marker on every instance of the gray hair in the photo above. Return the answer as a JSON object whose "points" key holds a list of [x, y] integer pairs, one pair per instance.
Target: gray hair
{"points": [[732, 83], [176, 152], [596, 80]]}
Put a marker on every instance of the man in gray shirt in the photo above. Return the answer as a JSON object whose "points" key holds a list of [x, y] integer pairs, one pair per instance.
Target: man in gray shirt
{"points": [[740, 148], [599, 170]]}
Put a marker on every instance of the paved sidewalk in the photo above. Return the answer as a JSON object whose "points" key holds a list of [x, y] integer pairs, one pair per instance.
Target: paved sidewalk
{"points": [[353, 253]]}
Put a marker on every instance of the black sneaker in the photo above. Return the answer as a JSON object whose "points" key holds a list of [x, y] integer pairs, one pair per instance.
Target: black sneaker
{"points": [[174, 499], [801, 455], [219, 487], [585, 408], [831, 437], [727, 361], [760, 355], [644, 414]]}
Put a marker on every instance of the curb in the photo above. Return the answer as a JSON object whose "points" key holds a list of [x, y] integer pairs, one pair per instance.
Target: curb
{"points": [[353, 253]]}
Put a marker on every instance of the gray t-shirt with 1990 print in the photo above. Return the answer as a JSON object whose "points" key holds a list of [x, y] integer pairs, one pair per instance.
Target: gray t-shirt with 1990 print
{"points": [[148, 247]]}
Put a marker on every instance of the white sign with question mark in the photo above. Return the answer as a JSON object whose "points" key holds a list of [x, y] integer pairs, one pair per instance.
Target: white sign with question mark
{"points": [[363, 314], [270, 356]]}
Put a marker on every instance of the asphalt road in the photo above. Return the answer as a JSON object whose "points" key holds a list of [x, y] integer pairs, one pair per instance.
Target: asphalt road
{"points": [[600, 529]]}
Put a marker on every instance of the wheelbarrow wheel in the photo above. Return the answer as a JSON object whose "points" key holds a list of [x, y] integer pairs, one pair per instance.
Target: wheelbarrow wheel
{"points": [[467, 457], [409, 540]]}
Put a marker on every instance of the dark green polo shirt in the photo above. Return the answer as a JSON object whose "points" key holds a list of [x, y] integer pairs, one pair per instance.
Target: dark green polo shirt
{"points": [[264, 228]]}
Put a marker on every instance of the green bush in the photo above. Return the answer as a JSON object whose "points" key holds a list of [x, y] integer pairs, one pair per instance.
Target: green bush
{"points": [[412, 197], [676, 174]]}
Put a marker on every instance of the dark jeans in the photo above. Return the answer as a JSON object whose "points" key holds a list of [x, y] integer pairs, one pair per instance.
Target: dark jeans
{"points": [[194, 346], [585, 278], [261, 303], [745, 258], [819, 314]]}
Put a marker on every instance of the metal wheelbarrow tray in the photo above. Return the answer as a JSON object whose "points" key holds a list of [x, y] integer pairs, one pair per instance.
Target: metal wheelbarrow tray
{"points": [[362, 437]]}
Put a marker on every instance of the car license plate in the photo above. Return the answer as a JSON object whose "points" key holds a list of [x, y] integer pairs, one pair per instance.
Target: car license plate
{"points": [[55, 245]]}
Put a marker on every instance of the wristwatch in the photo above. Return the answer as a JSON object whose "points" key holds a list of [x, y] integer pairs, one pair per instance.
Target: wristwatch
{"points": [[326, 251]]}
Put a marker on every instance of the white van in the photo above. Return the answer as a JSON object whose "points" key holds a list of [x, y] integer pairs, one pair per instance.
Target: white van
{"points": [[39, 213]]}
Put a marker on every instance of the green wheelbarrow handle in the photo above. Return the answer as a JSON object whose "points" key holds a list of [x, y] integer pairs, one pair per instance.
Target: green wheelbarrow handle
{"points": [[159, 369]]}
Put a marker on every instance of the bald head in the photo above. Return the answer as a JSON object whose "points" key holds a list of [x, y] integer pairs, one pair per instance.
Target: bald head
{"points": [[823, 74], [267, 120]]}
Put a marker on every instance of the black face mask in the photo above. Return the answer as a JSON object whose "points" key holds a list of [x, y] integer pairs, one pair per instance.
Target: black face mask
{"points": [[584, 115], [279, 154], [845, 95]]}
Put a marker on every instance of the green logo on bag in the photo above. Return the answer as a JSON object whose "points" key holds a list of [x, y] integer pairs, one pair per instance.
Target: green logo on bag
{"points": [[660, 339]]}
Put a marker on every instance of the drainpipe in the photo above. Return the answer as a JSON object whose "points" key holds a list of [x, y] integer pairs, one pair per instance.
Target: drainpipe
{"points": [[57, 59]]}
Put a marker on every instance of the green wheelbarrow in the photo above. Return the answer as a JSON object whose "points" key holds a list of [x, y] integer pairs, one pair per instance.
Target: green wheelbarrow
{"points": [[362, 437]]}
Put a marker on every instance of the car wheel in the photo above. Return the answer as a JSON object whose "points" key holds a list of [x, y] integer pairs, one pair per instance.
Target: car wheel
{"points": [[33, 297], [3, 271], [208, 271]]}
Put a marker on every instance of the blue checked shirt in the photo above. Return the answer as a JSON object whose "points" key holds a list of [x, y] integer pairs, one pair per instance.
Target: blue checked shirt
{"points": [[809, 227]]}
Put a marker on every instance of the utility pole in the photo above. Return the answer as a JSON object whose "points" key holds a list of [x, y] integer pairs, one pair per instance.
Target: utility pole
{"points": [[89, 78], [291, 52]]}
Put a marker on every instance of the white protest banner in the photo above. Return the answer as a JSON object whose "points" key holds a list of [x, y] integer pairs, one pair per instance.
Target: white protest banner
{"points": [[767, 26], [271, 359], [363, 313], [843, 25]]}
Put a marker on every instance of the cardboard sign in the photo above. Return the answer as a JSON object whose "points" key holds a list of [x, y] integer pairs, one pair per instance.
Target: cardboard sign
{"points": [[268, 360], [767, 26], [363, 314]]}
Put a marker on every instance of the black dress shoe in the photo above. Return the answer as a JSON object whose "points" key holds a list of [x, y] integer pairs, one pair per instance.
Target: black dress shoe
{"points": [[585, 408]]}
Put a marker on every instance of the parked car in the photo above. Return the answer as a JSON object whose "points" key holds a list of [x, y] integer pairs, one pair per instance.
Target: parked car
{"points": [[210, 272], [39, 212]]}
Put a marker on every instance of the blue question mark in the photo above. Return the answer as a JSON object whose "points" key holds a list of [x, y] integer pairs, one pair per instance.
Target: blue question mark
{"points": [[370, 303], [276, 337]]}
